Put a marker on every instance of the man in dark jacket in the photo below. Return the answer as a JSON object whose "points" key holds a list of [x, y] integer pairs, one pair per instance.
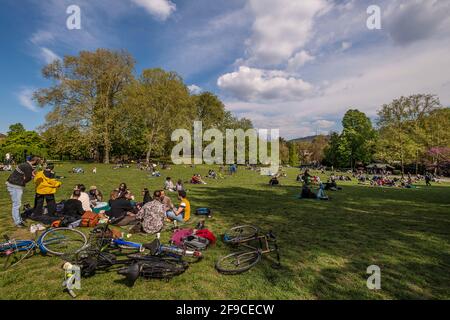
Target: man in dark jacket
{"points": [[16, 184]]}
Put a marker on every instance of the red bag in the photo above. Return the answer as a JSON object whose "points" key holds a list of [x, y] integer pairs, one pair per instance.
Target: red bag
{"points": [[205, 233], [89, 219]]}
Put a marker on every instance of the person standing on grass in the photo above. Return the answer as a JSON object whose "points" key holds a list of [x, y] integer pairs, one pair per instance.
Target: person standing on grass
{"points": [[428, 179], [46, 187], [15, 185]]}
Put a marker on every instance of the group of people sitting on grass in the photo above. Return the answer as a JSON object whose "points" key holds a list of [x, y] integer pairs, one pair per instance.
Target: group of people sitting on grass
{"points": [[170, 186], [308, 182], [146, 216]]}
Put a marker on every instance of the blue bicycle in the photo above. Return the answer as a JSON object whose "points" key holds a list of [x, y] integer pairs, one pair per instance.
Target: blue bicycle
{"points": [[102, 238], [56, 241]]}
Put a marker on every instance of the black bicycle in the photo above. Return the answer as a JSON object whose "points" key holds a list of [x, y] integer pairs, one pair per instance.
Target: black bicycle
{"points": [[257, 244]]}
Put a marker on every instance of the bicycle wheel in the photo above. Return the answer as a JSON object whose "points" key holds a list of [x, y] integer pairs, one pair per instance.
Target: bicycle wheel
{"points": [[240, 233], [62, 241], [238, 262]]}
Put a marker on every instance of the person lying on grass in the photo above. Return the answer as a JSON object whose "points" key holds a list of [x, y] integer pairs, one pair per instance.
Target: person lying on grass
{"points": [[197, 179], [183, 213], [122, 210]]}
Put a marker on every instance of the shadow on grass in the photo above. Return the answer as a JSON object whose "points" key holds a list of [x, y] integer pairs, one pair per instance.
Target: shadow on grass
{"points": [[358, 227]]}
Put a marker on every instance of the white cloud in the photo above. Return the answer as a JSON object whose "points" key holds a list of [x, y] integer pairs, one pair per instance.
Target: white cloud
{"points": [[364, 81], [41, 37], [251, 84], [346, 45], [299, 60], [281, 28], [194, 89], [48, 56], [161, 9], [325, 124], [25, 97]]}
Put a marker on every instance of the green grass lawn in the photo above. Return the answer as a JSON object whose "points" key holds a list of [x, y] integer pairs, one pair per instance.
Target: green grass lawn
{"points": [[326, 247]]}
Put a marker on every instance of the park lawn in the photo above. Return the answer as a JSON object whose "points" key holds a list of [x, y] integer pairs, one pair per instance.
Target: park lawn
{"points": [[326, 246]]}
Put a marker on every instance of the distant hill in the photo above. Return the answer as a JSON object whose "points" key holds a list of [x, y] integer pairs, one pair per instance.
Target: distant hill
{"points": [[2, 136], [306, 139]]}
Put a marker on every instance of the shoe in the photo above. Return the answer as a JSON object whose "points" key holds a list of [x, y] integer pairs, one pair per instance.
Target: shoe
{"points": [[21, 225], [33, 228]]}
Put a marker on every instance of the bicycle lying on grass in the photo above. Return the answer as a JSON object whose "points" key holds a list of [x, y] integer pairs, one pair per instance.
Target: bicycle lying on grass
{"points": [[103, 238], [104, 250], [58, 242], [250, 238]]}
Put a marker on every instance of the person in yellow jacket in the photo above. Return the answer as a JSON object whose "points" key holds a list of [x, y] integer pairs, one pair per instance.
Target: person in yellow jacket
{"points": [[46, 187]]}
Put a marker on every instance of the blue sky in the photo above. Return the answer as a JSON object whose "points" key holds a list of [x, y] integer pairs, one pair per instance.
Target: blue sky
{"points": [[288, 64]]}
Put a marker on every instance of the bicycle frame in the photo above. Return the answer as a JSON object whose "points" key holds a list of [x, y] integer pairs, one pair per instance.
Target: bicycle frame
{"points": [[27, 245], [264, 245]]}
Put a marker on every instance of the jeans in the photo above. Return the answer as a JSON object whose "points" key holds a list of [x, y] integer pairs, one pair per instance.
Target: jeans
{"points": [[172, 216], [16, 193], [39, 204]]}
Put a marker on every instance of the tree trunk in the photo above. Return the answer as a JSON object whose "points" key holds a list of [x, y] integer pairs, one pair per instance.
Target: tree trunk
{"points": [[149, 152], [147, 157]]}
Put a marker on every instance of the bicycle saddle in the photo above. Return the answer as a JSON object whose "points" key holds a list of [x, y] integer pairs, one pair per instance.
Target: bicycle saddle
{"points": [[131, 272], [153, 246]]}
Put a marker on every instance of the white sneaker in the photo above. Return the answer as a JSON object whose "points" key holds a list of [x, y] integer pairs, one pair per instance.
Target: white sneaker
{"points": [[33, 228], [40, 227]]}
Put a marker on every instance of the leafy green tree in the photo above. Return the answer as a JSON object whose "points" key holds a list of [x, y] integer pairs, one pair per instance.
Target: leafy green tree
{"points": [[209, 109], [402, 128], [86, 93], [335, 154], [357, 138], [20, 142], [158, 103], [16, 129], [293, 154]]}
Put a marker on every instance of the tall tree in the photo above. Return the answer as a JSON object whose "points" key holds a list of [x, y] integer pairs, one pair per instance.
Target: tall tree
{"points": [[158, 102], [86, 91], [293, 154], [209, 109], [20, 142], [400, 123], [357, 137]]}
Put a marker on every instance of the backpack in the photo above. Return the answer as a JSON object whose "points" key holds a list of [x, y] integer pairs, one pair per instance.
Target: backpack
{"points": [[203, 212], [64, 222], [179, 235], [206, 234], [89, 219], [195, 242]]}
